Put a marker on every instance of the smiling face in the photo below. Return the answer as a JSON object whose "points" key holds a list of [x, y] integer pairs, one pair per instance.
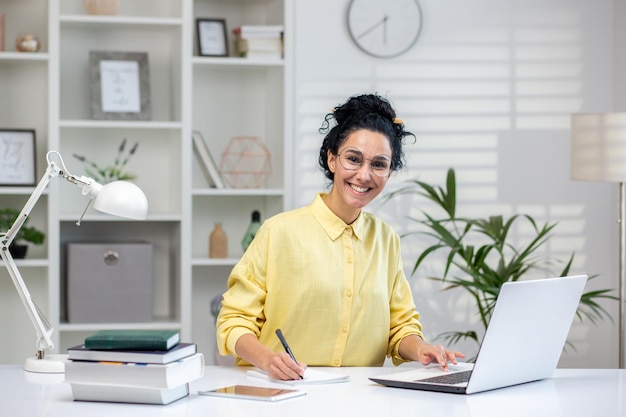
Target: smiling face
{"points": [[354, 189]]}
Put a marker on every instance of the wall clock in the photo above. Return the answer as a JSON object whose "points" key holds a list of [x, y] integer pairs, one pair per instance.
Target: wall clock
{"points": [[384, 29]]}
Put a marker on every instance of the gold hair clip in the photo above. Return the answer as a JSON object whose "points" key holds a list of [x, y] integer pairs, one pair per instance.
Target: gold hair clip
{"points": [[398, 121]]}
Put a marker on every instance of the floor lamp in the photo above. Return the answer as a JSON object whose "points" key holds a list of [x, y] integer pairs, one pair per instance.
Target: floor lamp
{"points": [[598, 153]]}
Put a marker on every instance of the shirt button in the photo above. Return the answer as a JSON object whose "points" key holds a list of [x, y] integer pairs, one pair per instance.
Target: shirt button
{"points": [[348, 293], [344, 329], [349, 260], [336, 362]]}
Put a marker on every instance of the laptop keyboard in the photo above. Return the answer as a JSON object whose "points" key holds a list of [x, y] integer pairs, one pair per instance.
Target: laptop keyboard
{"points": [[449, 379]]}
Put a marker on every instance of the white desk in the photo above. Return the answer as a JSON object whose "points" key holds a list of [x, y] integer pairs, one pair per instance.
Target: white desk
{"points": [[570, 393]]}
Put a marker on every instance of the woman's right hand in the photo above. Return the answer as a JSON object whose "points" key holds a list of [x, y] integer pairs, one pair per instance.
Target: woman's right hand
{"points": [[282, 367], [277, 365]]}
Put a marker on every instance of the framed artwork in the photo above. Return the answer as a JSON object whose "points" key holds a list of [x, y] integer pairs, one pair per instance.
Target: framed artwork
{"points": [[17, 157], [212, 38], [120, 85]]}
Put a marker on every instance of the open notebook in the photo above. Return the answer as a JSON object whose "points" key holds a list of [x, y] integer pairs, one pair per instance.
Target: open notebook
{"points": [[523, 342], [311, 376]]}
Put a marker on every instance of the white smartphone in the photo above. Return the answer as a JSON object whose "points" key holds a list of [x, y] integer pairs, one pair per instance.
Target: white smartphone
{"points": [[249, 392]]}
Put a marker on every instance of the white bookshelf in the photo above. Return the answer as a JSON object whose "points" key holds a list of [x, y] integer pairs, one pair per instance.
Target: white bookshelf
{"points": [[220, 97]]}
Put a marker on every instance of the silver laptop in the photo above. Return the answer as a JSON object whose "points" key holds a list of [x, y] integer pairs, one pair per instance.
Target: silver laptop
{"points": [[523, 341]]}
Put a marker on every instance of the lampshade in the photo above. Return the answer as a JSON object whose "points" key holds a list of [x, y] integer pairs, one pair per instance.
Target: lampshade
{"points": [[121, 198], [598, 147]]}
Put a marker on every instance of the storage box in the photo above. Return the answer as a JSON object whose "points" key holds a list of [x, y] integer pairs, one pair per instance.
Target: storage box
{"points": [[109, 282]]}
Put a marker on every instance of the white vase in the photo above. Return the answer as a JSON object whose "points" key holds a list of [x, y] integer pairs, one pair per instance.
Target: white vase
{"points": [[101, 7]]}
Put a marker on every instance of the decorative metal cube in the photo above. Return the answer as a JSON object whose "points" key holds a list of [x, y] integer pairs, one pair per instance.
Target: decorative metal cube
{"points": [[246, 162]]}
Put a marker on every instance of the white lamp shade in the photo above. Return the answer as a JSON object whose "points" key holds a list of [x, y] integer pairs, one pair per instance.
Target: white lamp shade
{"points": [[598, 147], [123, 199]]}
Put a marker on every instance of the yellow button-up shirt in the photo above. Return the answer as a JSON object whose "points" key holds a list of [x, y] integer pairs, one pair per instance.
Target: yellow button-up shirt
{"points": [[338, 292]]}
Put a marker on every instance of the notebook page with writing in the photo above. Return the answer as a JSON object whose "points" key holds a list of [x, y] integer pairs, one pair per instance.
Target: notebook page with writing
{"points": [[311, 376]]}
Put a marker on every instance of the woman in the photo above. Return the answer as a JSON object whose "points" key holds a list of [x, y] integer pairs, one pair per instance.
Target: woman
{"points": [[330, 275]]}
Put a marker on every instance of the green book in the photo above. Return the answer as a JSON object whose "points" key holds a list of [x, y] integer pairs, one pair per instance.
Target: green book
{"points": [[133, 339]]}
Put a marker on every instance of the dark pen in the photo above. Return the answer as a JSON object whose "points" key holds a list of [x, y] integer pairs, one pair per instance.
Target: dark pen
{"points": [[279, 333]]}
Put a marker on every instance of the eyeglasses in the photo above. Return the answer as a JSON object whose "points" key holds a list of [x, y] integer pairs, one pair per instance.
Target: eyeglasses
{"points": [[353, 160]]}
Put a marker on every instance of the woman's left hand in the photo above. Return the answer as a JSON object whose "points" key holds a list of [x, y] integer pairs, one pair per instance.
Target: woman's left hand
{"points": [[438, 353], [416, 349]]}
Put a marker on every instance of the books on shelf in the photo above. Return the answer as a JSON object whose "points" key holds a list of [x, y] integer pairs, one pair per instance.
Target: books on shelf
{"points": [[262, 48], [122, 394], [259, 31], [181, 350], [259, 41], [206, 161], [133, 339], [132, 374]]}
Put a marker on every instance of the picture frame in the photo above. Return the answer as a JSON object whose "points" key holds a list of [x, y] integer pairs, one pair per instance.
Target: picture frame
{"points": [[212, 37], [17, 157], [120, 85]]}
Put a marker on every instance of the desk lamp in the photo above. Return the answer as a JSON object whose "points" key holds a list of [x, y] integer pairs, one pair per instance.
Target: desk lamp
{"points": [[598, 153], [119, 198]]}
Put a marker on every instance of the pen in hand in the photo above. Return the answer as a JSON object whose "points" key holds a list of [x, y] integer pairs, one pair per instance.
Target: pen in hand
{"points": [[283, 341]]}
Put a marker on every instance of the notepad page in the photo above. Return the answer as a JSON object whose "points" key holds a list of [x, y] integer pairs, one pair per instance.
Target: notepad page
{"points": [[311, 376]]}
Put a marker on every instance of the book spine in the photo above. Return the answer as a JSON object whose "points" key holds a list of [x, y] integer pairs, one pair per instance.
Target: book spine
{"points": [[207, 162], [123, 394], [120, 344], [135, 374], [155, 356], [258, 31]]}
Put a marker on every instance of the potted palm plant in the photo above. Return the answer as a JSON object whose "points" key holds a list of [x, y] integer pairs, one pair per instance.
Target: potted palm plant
{"points": [[480, 256], [26, 234]]}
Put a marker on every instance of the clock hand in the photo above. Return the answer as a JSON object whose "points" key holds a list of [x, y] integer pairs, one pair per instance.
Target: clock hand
{"points": [[385, 30], [383, 21]]}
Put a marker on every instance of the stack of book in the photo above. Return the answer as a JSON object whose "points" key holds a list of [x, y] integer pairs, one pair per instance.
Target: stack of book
{"points": [[133, 366], [259, 41]]}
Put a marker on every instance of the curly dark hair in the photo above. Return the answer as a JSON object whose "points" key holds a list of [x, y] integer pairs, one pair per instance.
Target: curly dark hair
{"points": [[366, 111]]}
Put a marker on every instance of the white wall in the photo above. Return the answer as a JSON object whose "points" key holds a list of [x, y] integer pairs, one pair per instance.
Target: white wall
{"points": [[488, 90], [620, 57]]}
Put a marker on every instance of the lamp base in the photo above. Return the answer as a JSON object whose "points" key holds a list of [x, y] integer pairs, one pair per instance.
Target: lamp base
{"points": [[50, 364]]}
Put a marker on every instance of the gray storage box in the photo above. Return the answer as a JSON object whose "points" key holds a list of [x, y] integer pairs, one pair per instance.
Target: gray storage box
{"points": [[109, 282]]}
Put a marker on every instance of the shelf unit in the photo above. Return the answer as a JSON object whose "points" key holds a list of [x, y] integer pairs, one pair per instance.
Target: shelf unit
{"points": [[232, 97], [220, 97]]}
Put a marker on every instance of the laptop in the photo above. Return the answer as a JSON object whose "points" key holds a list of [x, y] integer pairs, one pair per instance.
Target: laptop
{"points": [[523, 342]]}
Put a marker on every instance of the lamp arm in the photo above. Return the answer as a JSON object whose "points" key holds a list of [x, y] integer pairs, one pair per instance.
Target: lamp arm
{"points": [[41, 324], [52, 171]]}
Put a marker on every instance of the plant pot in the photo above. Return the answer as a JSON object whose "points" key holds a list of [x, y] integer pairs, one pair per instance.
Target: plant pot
{"points": [[101, 7], [18, 251]]}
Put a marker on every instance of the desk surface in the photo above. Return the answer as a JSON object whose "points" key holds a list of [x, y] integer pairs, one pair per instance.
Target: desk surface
{"points": [[569, 393]]}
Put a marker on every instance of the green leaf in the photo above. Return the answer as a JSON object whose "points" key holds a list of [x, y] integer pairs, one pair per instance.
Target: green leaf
{"points": [[449, 198]]}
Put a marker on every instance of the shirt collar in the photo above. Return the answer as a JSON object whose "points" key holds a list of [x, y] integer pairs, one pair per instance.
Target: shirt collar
{"points": [[331, 223]]}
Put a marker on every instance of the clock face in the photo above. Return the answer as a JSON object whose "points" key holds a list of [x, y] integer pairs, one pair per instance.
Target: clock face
{"points": [[384, 28]]}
